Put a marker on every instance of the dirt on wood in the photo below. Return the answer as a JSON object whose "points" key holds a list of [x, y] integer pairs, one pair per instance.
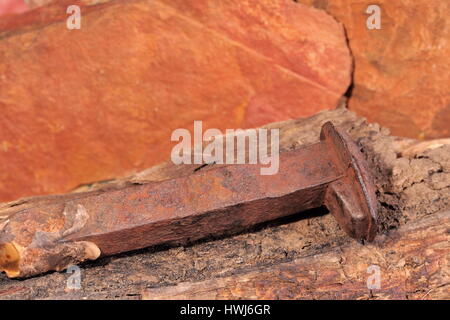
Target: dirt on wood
{"points": [[410, 188], [410, 264]]}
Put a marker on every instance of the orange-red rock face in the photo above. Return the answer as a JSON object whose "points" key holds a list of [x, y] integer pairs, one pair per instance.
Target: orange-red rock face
{"points": [[101, 102], [12, 7], [402, 72]]}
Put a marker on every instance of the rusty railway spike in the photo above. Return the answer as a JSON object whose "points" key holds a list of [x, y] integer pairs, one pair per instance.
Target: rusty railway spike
{"points": [[67, 230]]}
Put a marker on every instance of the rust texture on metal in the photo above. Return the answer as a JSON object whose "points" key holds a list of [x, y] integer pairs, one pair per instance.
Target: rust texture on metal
{"points": [[64, 230]]}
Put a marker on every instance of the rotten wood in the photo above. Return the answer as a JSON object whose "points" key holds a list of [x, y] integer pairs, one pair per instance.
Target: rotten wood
{"points": [[409, 189], [412, 263]]}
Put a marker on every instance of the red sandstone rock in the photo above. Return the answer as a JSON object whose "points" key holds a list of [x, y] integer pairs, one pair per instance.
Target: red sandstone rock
{"points": [[12, 7], [101, 102], [37, 3], [402, 72]]}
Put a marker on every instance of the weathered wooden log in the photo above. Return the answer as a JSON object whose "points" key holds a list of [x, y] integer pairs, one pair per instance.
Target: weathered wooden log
{"points": [[410, 263], [410, 188], [220, 200]]}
